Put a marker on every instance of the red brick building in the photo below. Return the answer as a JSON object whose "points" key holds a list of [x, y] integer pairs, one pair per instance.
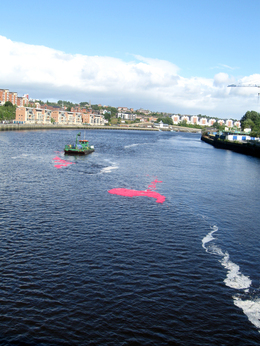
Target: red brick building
{"points": [[6, 95]]}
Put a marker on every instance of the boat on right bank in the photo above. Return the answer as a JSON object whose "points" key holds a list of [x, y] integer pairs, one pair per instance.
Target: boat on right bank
{"points": [[238, 142]]}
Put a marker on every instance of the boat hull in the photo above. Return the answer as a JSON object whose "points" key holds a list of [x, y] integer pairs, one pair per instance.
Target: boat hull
{"points": [[78, 152]]}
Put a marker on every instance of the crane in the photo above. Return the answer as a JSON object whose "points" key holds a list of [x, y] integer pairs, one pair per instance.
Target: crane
{"points": [[246, 86]]}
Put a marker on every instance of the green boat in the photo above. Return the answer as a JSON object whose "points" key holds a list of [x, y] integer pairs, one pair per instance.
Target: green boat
{"points": [[81, 147]]}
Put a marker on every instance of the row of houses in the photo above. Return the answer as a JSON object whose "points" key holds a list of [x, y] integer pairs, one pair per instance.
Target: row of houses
{"points": [[177, 119], [6, 95], [30, 115], [203, 121]]}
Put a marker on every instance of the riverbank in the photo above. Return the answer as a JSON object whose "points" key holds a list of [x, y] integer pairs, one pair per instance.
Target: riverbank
{"points": [[19, 127], [246, 148]]}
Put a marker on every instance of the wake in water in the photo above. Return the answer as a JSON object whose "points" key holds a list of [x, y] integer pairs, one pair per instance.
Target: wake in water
{"points": [[108, 169], [235, 279], [130, 146], [134, 145]]}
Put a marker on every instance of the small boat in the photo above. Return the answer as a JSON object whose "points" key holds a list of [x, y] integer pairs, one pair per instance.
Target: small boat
{"points": [[81, 147]]}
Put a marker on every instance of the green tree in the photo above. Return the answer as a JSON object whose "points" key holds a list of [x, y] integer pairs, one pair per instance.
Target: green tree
{"points": [[7, 111], [219, 127], [183, 123], [8, 104], [95, 107], [107, 116], [166, 120], [251, 119]]}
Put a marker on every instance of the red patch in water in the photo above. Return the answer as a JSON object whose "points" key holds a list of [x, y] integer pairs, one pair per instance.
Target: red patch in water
{"points": [[61, 163], [135, 193]]}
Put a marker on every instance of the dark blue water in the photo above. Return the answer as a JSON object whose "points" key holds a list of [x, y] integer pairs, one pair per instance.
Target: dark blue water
{"points": [[79, 266]]}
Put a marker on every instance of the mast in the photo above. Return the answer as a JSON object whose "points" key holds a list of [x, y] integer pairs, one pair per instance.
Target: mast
{"points": [[77, 139]]}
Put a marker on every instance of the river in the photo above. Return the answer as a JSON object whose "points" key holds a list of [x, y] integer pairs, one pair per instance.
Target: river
{"points": [[80, 265]]}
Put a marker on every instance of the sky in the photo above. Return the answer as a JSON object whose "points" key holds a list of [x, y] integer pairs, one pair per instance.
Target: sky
{"points": [[174, 56]]}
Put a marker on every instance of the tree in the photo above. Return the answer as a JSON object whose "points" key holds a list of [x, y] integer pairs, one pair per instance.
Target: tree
{"points": [[165, 120], [250, 119], [7, 112], [218, 126], [183, 123], [107, 116], [8, 104], [95, 107]]}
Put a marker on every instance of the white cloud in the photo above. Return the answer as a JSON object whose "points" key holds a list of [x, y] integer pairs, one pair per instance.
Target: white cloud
{"points": [[222, 79], [224, 67], [154, 84]]}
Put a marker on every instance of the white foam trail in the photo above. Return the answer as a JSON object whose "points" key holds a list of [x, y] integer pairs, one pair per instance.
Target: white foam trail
{"points": [[130, 146], [234, 278], [215, 250], [208, 237], [251, 308], [20, 157], [108, 169]]}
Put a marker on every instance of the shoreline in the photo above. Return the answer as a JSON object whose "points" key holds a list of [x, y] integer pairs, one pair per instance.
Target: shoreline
{"points": [[23, 127], [250, 149]]}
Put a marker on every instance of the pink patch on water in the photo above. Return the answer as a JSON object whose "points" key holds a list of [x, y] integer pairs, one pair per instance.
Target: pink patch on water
{"points": [[153, 185], [61, 163], [135, 193]]}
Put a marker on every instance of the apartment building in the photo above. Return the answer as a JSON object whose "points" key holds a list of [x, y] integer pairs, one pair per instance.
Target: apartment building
{"points": [[96, 119], [30, 115], [6, 95], [126, 116]]}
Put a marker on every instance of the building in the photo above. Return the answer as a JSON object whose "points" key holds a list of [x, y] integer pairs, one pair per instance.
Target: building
{"points": [[237, 124], [143, 111], [6, 95], [161, 125], [185, 118], [229, 123], [66, 117], [211, 122], [96, 119], [126, 116], [194, 120], [236, 136], [30, 115], [175, 119], [203, 122]]}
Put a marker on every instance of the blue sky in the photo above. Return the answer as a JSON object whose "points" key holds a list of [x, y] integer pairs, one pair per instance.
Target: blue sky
{"points": [[173, 56]]}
